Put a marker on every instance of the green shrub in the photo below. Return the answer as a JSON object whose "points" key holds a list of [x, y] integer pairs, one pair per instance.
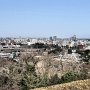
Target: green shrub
{"points": [[70, 76], [30, 80]]}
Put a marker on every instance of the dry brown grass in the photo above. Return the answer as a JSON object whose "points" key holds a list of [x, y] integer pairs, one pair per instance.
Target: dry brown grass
{"points": [[75, 85]]}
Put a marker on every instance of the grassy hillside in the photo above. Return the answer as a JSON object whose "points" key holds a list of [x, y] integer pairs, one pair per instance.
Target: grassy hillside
{"points": [[75, 85]]}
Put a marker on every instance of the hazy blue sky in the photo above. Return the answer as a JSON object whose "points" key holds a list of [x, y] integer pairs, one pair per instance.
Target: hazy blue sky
{"points": [[44, 18]]}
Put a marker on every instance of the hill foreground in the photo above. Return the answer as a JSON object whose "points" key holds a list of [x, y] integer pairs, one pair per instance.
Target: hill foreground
{"points": [[75, 85]]}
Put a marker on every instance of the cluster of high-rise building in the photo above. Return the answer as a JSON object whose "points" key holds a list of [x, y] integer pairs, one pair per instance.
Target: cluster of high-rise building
{"points": [[70, 42]]}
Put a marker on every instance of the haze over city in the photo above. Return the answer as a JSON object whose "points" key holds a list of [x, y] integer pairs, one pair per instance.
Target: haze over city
{"points": [[44, 18]]}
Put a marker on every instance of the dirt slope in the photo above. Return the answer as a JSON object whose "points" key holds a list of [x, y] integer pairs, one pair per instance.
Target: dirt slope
{"points": [[75, 85]]}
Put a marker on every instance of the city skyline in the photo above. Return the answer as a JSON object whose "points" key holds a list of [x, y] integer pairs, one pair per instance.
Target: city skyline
{"points": [[45, 18]]}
